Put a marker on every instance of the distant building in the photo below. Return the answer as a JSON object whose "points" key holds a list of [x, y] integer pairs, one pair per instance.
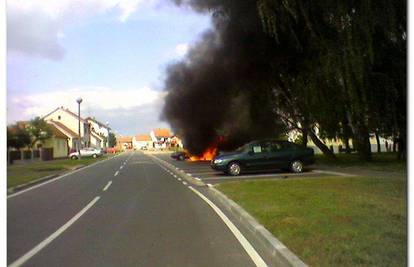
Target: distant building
{"points": [[124, 142], [337, 145], [142, 140], [161, 138]]}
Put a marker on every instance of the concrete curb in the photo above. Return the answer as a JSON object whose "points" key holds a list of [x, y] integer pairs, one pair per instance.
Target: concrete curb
{"points": [[282, 256], [21, 187]]}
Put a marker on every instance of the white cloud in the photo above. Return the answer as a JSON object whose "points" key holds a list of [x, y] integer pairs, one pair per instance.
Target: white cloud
{"points": [[35, 27], [182, 49], [26, 106], [128, 112], [78, 8]]}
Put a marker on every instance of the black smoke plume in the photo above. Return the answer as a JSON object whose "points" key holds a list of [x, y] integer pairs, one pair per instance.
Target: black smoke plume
{"points": [[220, 89]]}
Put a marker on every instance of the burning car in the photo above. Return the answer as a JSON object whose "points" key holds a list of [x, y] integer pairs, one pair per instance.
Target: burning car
{"points": [[264, 154], [180, 155], [207, 155]]}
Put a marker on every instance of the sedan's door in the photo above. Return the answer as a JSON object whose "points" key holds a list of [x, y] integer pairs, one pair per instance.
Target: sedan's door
{"points": [[280, 155], [257, 158]]}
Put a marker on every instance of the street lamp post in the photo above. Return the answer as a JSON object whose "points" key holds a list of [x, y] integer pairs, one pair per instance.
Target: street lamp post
{"points": [[107, 137], [79, 100]]}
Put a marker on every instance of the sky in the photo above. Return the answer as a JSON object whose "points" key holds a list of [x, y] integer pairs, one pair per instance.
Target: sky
{"points": [[111, 53]]}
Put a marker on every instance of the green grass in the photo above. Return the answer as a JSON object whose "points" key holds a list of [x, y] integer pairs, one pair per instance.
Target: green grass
{"points": [[23, 173], [358, 221], [380, 162]]}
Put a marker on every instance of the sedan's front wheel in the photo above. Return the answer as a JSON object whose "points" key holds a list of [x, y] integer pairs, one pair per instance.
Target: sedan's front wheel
{"points": [[234, 169], [94, 156], [296, 166]]}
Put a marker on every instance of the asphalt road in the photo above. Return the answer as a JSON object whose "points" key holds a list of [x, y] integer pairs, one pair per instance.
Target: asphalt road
{"points": [[126, 211]]}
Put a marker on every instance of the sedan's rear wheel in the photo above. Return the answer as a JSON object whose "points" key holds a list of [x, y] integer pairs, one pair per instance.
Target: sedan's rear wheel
{"points": [[74, 157], [296, 166], [94, 156], [234, 169]]}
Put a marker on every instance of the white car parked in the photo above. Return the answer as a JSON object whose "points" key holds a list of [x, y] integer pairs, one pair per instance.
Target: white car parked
{"points": [[86, 152]]}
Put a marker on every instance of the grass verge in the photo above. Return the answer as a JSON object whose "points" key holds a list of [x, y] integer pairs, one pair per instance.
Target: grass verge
{"points": [[23, 173], [331, 221], [387, 162]]}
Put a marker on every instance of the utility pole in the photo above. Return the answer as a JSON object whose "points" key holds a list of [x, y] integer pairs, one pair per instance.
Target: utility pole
{"points": [[79, 100]]}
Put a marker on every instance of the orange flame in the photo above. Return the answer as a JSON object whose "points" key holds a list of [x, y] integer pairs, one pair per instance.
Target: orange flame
{"points": [[207, 155]]}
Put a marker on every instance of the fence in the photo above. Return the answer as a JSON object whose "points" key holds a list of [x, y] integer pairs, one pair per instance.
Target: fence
{"points": [[13, 155]]}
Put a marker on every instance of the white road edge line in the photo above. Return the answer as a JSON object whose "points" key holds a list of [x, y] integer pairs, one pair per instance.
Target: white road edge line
{"points": [[122, 166], [256, 258], [48, 240], [209, 185], [184, 183], [116, 173], [107, 186]]}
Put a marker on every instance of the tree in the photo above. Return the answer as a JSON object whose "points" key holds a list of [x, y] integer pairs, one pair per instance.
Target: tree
{"points": [[17, 137], [111, 140], [351, 51], [39, 130]]}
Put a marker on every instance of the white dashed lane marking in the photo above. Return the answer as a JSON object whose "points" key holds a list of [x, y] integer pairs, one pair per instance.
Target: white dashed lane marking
{"points": [[107, 186]]}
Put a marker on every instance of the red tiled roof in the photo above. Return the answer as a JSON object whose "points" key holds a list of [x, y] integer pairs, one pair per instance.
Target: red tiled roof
{"points": [[143, 137], [164, 133]]}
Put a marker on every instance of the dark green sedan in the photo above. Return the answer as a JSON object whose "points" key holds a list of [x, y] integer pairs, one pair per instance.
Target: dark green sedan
{"points": [[264, 155]]}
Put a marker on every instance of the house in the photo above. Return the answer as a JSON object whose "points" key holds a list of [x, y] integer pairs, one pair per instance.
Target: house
{"points": [[99, 131], [123, 142], [142, 140], [58, 141], [67, 122], [73, 137], [161, 137]]}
